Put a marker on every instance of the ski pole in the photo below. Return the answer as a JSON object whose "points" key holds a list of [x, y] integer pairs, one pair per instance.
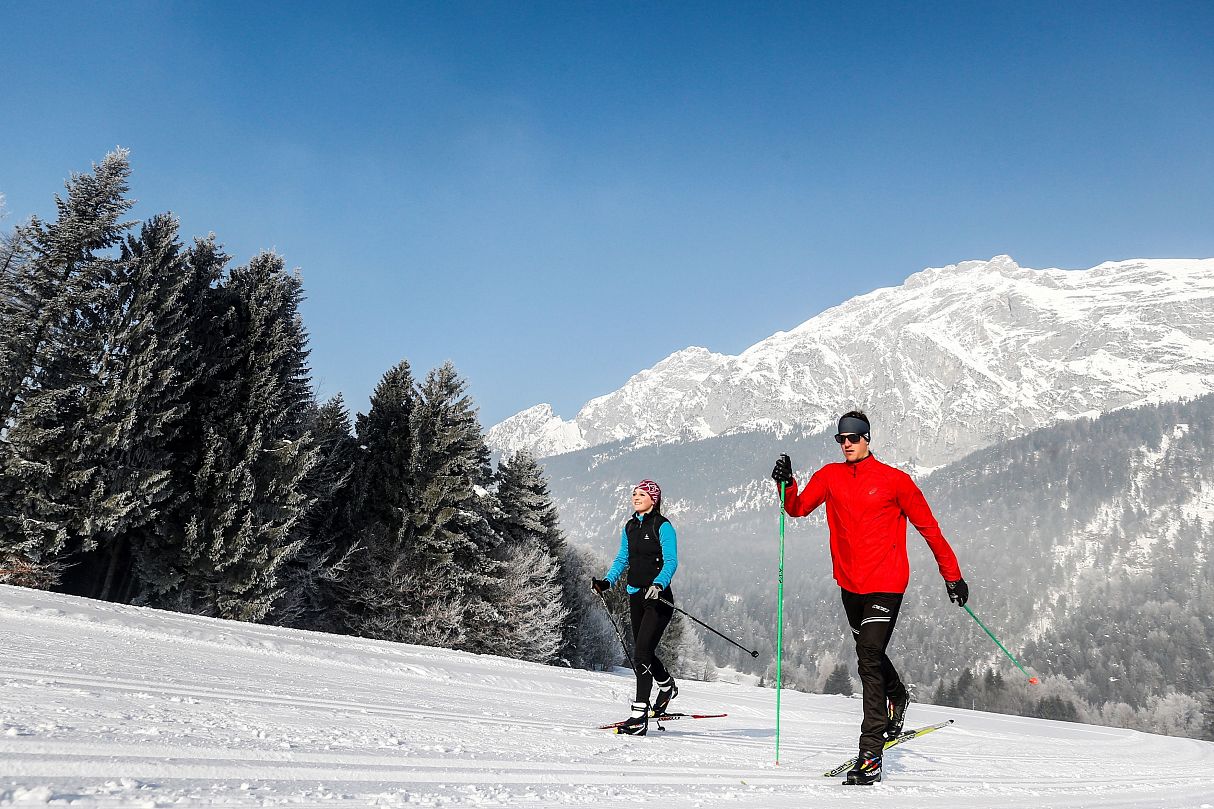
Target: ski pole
{"points": [[618, 633], [1032, 680], [780, 623], [751, 652]]}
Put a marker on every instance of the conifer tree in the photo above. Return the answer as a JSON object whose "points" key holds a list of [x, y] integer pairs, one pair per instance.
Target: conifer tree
{"points": [[137, 406], [381, 501], [839, 681], [526, 604], [454, 549], [310, 580], [160, 555], [248, 493], [528, 517], [52, 336], [53, 267], [595, 645]]}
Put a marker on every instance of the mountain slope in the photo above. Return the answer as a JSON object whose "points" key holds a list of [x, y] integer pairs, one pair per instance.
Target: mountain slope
{"points": [[109, 705], [955, 359], [1089, 543]]}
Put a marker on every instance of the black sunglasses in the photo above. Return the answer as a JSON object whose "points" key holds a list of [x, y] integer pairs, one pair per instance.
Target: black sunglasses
{"points": [[852, 437]]}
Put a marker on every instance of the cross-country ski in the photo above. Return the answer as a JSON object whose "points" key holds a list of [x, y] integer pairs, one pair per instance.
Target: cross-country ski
{"points": [[669, 717], [905, 736]]}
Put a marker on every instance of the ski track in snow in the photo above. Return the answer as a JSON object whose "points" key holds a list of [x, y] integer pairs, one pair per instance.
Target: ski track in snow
{"points": [[103, 705]]}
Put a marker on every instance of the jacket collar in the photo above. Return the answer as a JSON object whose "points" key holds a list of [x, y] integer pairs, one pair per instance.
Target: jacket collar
{"points": [[863, 463]]}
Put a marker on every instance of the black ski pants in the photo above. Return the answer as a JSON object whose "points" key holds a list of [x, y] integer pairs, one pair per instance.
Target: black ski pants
{"points": [[650, 618], [872, 617]]}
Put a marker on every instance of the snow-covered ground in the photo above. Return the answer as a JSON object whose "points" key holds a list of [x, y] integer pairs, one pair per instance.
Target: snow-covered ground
{"points": [[105, 705]]}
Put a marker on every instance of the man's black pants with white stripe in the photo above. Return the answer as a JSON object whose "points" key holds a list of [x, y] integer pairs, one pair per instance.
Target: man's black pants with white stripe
{"points": [[872, 617]]}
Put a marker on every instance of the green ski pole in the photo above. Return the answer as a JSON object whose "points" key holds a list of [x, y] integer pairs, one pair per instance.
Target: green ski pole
{"points": [[1032, 680], [780, 624]]}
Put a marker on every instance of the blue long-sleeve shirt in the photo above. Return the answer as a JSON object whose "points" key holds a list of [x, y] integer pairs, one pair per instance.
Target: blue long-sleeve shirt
{"points": [[670, 556]]}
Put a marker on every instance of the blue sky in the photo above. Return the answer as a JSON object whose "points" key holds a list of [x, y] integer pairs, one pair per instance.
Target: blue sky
{"points": [[556, 195]]}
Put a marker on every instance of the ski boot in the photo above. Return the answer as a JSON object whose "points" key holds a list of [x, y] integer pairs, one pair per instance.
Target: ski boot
{"points": [[666, 692], [897, 714], [637, 723], [867, 770]]}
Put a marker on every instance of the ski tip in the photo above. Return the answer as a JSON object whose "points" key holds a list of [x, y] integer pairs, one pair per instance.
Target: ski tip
{"points": [[1033, 681]]}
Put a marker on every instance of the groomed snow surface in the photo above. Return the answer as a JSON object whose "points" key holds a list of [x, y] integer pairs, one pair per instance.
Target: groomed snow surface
{"points": [[106, 705]]}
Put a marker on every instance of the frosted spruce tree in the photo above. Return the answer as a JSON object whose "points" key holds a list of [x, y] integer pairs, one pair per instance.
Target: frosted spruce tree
{"points": [[160, 559], [51, 341], [537, 615], [453, 545], [135, 410], [255, 451], [310, 580], [595, 643], [380, 501], [524, 606], [425, 568]]}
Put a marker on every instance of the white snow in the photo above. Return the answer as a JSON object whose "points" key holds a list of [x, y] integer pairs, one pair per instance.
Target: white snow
{"points": [[105, 705]]}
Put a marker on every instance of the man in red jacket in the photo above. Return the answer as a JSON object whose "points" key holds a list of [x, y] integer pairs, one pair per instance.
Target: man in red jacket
{"points": [[867, 507]]}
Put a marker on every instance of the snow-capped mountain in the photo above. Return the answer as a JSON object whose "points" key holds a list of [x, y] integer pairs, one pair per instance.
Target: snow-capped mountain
{"points": [[538, 431], [647, 407], [955, 359]]}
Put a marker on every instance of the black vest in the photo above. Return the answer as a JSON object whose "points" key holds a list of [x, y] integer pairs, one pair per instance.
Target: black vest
{"points": [[644, 549]]}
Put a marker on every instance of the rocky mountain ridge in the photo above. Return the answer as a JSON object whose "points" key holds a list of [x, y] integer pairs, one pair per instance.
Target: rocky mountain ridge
{"points": [[954, 359]]}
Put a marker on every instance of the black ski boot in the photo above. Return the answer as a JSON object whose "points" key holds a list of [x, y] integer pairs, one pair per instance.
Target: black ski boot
{"points": [[637, 723], [897, 714], [666, 692], [867, 770]]}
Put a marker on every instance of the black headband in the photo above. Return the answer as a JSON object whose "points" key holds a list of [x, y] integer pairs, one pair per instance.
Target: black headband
{"points": [[851, 424]]}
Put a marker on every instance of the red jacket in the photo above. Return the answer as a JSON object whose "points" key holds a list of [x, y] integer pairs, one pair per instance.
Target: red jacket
{"points": [[867, 506]]}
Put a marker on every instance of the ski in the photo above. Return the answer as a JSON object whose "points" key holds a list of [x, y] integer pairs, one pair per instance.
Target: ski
{"points": [[669, 717], [905, 736]]}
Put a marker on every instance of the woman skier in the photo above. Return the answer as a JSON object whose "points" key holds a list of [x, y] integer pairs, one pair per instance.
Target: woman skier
{"points": [[649, 552]]}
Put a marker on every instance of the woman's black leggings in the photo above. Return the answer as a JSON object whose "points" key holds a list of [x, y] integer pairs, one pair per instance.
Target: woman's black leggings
{"points": [[650, 618]]}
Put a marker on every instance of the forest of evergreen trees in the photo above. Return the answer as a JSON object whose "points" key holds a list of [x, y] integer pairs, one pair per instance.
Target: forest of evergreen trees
{"points": [[162, 445]]}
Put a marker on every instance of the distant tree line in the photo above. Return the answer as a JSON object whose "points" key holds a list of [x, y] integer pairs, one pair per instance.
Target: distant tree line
{"points": [[161, 444]]}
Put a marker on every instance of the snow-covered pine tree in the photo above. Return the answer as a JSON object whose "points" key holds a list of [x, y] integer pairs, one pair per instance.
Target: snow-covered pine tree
{"points": [[528, 524], [248, 492], [381, 501], [452, 544], [12, 271], [160, 555], [54, 266], [839, 681], [309, 580], [527, 604], [52, 336], [135, 410], [595, 644], [671, 648]]}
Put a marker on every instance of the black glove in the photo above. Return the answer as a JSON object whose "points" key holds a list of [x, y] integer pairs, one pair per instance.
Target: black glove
{"points": [[600, 586], [958, 591], [782, 473]]}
